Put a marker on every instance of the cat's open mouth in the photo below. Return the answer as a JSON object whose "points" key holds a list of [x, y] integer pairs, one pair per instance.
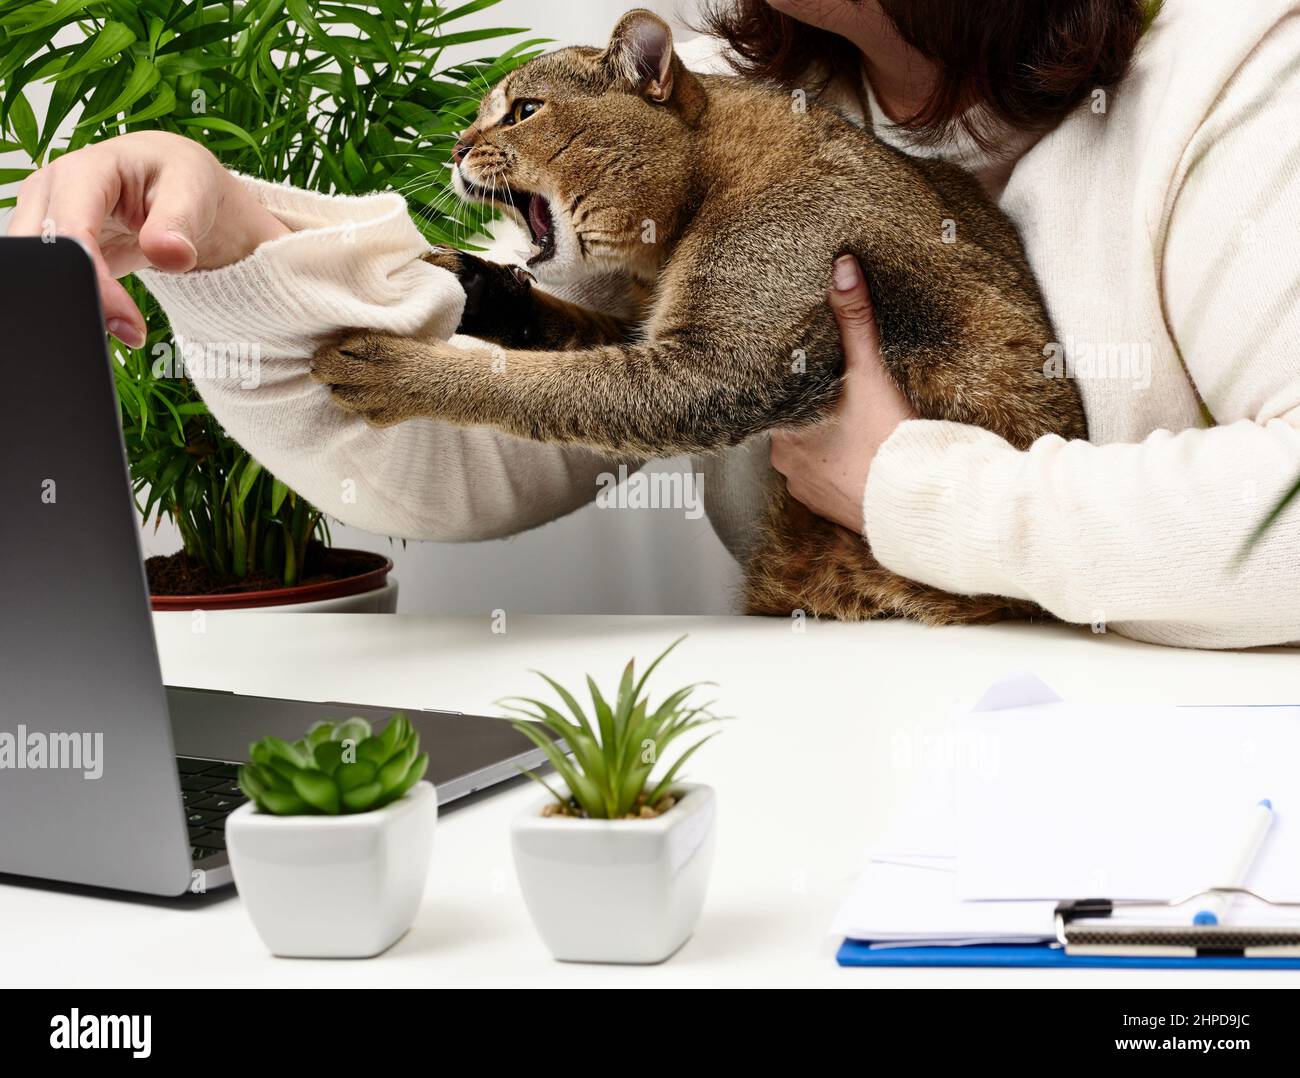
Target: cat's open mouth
{"points": [[533, 208]]}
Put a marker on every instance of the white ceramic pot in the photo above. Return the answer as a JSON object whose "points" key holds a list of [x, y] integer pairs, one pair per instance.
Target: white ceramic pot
{"points": [[380, 600], [616, 890], [333, 886]]}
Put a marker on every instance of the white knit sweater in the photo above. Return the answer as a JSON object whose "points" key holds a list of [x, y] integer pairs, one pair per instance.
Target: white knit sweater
{"points": [[1162, 230]]}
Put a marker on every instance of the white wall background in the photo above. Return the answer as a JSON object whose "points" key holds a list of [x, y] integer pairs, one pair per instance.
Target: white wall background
{"points": [[596, 560]]}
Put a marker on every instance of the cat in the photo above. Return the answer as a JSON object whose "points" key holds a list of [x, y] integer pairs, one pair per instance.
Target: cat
{"points": [[724, 205]]}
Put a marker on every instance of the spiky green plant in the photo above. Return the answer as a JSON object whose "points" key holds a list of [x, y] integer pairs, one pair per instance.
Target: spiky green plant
{"points": [[337, 97], [335, 768], [609, 776]]}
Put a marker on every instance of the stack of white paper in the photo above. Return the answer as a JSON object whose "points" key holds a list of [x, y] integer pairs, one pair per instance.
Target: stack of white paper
{"points": [[1126, 802], [914, 901], [1044, 801]]}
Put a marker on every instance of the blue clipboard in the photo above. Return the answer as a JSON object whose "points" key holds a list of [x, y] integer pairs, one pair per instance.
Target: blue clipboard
{"points": [[1036, 956]]}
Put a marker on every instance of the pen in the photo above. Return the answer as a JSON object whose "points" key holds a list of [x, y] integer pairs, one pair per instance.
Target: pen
{"points": [[1211, 913]]}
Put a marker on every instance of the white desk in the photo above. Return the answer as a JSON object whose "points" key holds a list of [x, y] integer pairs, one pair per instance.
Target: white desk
{"points": [[827, 722]]}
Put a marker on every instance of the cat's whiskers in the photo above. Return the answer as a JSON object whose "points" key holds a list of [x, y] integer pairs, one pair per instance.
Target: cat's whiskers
{"points": [[417, 156], [417, 185], [443, 202], [477, 77]]}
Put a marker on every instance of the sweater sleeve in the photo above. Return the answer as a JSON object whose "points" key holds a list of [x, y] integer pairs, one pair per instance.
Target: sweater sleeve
{"points": [[1145, 537], [354, 261]]}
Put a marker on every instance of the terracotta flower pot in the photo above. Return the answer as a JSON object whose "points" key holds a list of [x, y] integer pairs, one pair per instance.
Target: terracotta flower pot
{"points": [[371, 592]]}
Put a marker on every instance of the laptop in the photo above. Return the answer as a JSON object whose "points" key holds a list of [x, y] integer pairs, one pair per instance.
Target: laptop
{"points": [[107, 777]]}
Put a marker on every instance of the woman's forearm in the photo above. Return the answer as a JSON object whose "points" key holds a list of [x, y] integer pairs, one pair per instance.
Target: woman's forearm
{"points": [[247, 331], [1139, 537]]}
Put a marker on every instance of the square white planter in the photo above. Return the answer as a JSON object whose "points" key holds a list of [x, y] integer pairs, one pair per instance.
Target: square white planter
{"points": [[616, 890], [333, 886]]}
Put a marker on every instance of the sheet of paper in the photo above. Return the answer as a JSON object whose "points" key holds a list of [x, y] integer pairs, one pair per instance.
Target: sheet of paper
{"points": [[918, 902], [1020, 688], [907, 900], [1068, 801]]}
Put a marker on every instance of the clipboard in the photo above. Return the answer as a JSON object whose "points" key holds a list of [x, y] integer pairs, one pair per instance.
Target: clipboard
{"points": [[857, 953], [1086, 936], [938, 929]]}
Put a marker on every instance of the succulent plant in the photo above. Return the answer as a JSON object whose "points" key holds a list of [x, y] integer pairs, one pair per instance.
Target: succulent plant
{"points": [[335, 768], [614, 756]]}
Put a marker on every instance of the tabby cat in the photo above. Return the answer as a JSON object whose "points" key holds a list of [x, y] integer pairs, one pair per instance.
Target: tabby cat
{"points": [[724, 205]]}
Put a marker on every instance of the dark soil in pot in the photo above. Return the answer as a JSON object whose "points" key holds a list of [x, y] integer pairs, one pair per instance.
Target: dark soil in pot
{"points": [[179, 574]]}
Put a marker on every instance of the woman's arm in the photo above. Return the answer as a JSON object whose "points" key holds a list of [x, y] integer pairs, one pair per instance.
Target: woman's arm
{"points": [[1138, 537], [355, 262], [148, 198], [1142, 538], [258, 273]]}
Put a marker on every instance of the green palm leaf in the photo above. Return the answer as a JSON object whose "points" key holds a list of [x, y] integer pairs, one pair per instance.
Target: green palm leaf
{"points": [[334, 97]]}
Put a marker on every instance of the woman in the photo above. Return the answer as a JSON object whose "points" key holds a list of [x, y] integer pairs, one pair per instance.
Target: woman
{"points": [[1147, 173]]}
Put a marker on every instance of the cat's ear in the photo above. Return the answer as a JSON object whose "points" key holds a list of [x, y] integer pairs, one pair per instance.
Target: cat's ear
{"points": [[641, 52]]}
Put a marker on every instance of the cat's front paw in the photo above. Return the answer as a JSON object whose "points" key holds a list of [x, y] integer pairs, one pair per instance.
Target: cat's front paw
{"points": [[378, 376], [498, 299]]}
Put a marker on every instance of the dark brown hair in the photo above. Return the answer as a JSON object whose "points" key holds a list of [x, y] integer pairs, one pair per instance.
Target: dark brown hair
{"points": [[1029, 62]]}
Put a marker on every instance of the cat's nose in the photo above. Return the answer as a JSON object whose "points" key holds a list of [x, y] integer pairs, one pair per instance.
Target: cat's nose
{"points": [[460, 150]]}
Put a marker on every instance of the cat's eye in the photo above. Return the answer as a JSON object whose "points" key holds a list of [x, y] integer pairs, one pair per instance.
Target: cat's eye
{"points": [[523, 109]]}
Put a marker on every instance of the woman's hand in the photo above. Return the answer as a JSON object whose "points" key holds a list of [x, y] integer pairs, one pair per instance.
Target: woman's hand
{"points": [[145, 199], [826, 466]]}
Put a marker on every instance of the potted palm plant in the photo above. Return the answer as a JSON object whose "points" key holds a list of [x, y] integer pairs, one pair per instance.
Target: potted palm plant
{"points": [[614, 863], [340, 98], [331, 852]]}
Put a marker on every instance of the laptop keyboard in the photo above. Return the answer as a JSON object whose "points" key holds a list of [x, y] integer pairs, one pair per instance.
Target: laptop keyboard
{"points": [[210, 790]]}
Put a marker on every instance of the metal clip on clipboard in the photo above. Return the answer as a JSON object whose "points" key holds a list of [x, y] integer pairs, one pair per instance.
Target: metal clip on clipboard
{"points": [[1083, 927]]}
